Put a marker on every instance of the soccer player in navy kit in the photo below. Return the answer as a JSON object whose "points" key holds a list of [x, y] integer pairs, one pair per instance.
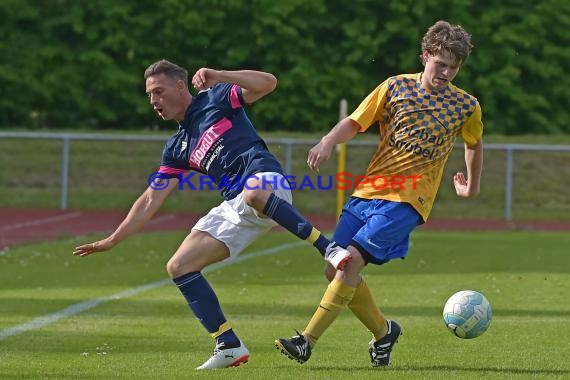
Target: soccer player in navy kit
{"points": [[216, 137]]}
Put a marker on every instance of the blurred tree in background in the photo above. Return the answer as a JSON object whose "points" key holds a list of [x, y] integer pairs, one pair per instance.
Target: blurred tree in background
{"points": [[72, 63]]}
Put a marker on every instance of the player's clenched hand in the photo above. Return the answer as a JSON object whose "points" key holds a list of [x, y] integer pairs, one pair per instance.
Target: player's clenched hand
{"points": [[318, 154], [204, 78], [98, 246]]}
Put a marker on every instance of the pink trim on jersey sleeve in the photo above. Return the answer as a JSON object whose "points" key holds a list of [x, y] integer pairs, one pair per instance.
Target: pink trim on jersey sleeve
{"points": [[234, 97], [169, 170]]}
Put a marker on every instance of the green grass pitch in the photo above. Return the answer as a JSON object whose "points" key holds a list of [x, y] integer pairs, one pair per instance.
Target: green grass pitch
{"points": [[153, 335]]}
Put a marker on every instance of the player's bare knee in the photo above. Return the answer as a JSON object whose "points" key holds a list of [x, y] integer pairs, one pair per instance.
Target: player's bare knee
{"points": [[173, 268], [256, 198], [330, 272], [356, 263], [176, 267], [357, 258], [250, 197]]}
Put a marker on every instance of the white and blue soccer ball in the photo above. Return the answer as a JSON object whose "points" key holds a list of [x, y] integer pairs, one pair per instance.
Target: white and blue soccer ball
{"points": [[467, 314]]}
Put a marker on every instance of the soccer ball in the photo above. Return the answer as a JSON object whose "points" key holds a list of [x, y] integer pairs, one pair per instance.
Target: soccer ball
{"points": [[467, 314]]}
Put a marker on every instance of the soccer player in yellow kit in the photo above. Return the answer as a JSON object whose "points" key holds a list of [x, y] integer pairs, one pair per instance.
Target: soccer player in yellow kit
{"points": [[420, 115]]}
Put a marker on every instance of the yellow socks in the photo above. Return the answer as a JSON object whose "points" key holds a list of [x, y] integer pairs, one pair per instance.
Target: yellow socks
{"points": [[336, 297], [365, 309]]}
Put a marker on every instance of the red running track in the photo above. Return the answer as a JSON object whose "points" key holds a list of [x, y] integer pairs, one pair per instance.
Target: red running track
{"points": [[20, 226]]}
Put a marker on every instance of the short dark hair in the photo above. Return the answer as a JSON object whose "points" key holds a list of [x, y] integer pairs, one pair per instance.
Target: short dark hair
{"points": [[167, 68], [442, 36]]}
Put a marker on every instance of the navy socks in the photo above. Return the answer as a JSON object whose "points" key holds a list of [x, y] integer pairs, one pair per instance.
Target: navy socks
{"points": [[287, 216], [206, 307]]}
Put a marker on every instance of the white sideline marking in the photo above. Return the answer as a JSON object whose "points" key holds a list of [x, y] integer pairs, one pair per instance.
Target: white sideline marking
{"points": [[38, 222], [48, 319]]}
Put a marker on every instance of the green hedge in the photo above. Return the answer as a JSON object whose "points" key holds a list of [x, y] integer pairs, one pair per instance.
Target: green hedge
{"points": [[70, 62]]}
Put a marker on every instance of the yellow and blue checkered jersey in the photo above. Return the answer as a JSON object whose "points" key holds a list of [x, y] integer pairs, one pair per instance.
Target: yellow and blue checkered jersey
{"points": [[418, 129]]}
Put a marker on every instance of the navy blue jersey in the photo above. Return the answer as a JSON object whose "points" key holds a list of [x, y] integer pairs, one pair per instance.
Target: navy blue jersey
{"points": [[217, 138]]}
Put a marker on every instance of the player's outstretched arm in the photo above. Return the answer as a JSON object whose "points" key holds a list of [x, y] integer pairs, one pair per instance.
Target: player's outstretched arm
{"points": [[254, 84], [141, 212], [470, 186], [342, 132]]}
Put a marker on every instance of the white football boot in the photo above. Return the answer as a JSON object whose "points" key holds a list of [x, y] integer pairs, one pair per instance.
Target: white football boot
{"points": [[226, 357], [337, 256]]}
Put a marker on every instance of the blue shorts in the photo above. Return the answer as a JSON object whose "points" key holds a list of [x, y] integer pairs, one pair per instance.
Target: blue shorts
{"points": [[379, 229]]}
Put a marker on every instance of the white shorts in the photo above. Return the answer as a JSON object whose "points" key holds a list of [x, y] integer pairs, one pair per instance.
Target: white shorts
{"points": [[236, 224]]}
